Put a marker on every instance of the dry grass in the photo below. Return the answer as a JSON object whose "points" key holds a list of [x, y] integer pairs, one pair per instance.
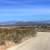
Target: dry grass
{"points": [[10, 37]]}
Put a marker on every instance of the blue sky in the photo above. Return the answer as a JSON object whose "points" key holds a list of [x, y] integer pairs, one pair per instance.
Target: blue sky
{"points": [[24, 10]]}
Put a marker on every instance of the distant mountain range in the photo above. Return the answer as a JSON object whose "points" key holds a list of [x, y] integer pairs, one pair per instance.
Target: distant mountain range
{"points": [[24, 23]]}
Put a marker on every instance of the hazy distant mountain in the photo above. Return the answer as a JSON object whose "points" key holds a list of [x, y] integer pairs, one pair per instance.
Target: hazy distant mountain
{"points": [[47, 21], [8, 23], [24, 23]]}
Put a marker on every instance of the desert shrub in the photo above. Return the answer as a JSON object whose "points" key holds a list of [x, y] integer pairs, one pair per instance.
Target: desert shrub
{"points": [[25, 33], [17, 35]]}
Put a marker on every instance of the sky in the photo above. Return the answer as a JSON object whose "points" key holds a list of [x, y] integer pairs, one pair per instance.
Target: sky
{"points": [[24, 10]]}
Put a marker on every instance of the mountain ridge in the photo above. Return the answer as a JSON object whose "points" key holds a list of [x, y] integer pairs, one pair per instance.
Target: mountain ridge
{"points": [[24, 22]]}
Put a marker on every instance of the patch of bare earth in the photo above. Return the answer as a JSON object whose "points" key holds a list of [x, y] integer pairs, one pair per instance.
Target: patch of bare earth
{"points": [[8, 44]]}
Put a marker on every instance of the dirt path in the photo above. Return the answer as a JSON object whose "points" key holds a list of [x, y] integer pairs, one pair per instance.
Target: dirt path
{"points": [[40, 42]]}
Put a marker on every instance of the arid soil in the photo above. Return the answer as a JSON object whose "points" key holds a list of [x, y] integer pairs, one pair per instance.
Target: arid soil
{"points": [[7, 44], [40, 42]]}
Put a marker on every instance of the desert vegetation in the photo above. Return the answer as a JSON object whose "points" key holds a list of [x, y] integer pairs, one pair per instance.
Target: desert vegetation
{"points": [[16, 34]]}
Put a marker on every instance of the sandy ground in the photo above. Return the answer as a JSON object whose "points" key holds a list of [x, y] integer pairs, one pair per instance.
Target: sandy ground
{"points": [[40, 42]]}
